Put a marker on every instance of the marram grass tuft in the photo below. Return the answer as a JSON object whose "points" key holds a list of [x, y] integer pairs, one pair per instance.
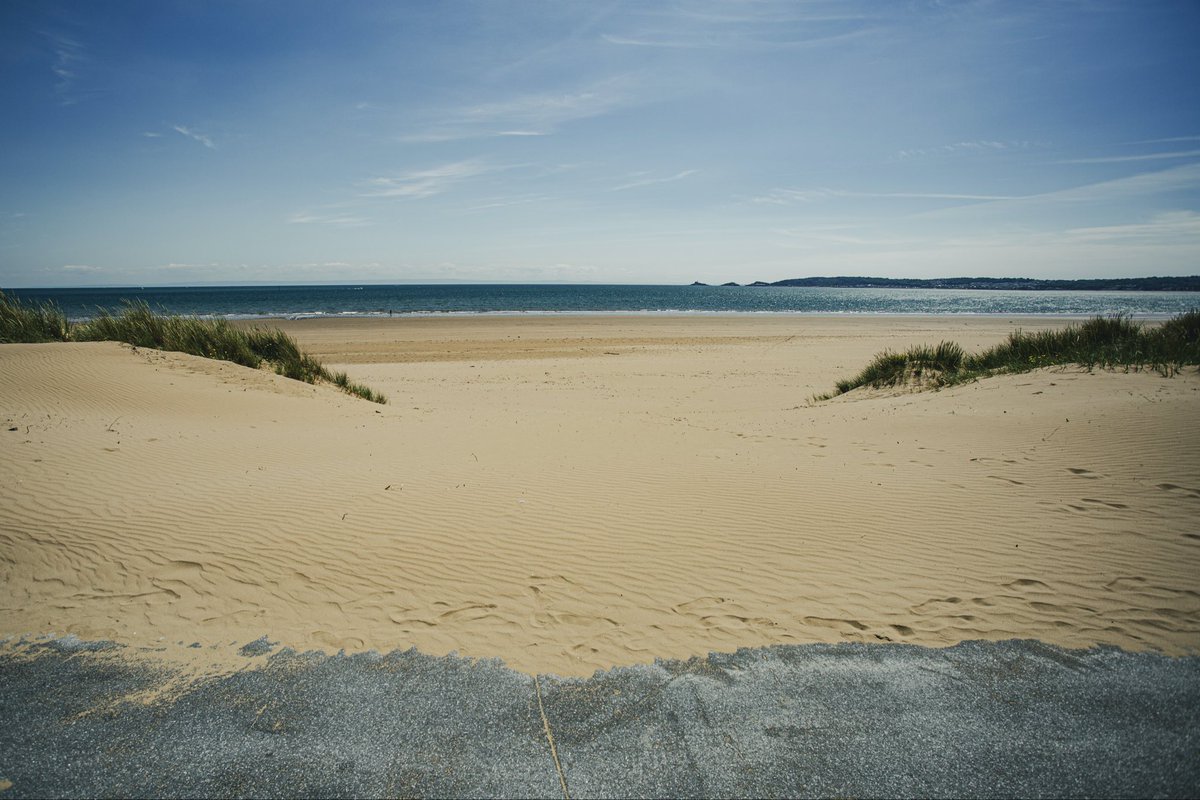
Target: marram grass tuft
{"points": [[1107, 342], [139, 326]]}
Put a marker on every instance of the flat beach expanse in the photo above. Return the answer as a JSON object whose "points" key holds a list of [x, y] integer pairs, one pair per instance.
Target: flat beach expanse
{"points": [[571, 493]]}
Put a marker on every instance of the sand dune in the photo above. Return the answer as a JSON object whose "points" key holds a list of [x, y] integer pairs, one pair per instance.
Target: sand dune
{"points": [[575, 493]]}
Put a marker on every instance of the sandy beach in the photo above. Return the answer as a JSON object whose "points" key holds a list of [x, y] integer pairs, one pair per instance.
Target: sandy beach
{"points": [[573, 493]]}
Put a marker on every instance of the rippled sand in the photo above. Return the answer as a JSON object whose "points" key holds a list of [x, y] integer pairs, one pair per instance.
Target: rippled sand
{"points": [[573, 493]]}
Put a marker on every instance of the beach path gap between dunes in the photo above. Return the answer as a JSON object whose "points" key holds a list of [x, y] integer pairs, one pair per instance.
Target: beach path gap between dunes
{"points": [[571, 494]]}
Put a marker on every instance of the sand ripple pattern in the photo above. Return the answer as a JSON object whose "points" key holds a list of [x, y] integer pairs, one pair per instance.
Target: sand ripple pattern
{"points": [[574, 514]]}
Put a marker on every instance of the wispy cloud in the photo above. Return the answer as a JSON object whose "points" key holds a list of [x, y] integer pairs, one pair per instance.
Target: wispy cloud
{"points": [[1123, 159], [789, 196], [785, 197], [938, 196], [80, 268], [534, 114], [195, 136], [340, 220], [1167, 226], [1159, 182], [648, 41], [1168, 140], [727, 40], [757, 25], [427, 182], [956, 148], [69, 56], [647, 181], [514, 200]]}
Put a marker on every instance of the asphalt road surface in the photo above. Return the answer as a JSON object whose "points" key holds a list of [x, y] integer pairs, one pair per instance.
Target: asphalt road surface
{"points": [[1015, 718]]}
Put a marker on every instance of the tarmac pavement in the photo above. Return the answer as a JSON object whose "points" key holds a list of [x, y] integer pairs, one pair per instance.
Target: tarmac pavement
{"points": [[981, 719]]}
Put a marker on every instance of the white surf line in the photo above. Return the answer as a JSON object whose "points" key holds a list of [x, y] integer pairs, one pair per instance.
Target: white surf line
{"points": [[562, 778]]}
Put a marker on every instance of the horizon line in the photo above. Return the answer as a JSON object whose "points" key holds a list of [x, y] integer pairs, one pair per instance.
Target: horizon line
{"points": [[473, 282]]}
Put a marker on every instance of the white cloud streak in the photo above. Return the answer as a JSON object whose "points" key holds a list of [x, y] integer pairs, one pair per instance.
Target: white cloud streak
{"points": [[727, 40], [505, 202], [69, 56], [1143, 184], [955, 148], [337, 220], [789, 196], [537, 114], [1167, 140], [650, 181], [1184, 177], [1123, 159], [741, 26], [195, 136], [1167, 226], [427, 182]]}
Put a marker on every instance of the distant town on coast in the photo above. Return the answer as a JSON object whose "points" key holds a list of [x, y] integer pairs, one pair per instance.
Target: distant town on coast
{"points": [[1190, 283]]}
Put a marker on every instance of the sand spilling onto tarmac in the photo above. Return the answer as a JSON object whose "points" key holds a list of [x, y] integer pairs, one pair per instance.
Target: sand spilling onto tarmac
{"points": [[573, 493]]}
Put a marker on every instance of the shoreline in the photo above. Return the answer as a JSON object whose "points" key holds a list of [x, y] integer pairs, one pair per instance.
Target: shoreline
{"points": [[307, 315], [575, 300]]}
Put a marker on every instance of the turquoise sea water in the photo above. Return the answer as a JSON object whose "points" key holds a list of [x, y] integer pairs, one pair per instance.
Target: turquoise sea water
{"points": [[373, 300]]}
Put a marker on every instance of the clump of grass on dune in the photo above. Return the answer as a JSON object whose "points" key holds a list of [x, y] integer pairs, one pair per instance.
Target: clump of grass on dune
{"points": [[1175, 344], [21, 323], [1101, 341], [1107, 342], [342, 381], [922, 364], [139, 326]]}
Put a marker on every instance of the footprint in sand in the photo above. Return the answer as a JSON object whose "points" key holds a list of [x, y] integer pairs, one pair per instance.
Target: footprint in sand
{"points": [[1025, 583], [1007, 480], [699, 604], [1104, 503], [1124, 582], [1083, 473], [836, 624], [921, 608], [1171, 487]]}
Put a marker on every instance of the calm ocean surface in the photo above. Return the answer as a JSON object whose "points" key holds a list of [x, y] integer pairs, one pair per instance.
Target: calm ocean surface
{"points": [[372, 300]]}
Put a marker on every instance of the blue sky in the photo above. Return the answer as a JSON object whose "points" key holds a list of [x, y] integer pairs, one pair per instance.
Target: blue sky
{"points": [[630, 142]]}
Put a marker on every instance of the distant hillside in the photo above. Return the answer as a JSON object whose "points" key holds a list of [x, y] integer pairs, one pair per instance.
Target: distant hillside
{"points": [[1166, 284]]}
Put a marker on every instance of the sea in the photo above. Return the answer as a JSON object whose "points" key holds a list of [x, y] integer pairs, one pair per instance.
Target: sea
{"points": [[371, 300]]}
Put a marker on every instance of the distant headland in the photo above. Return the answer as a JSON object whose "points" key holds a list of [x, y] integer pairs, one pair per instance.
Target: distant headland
{"points": [[1189, 283]]}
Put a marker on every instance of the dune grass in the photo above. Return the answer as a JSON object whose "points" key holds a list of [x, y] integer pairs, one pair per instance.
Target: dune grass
{"points": [[1115, 342], [139, 326], [920, 364], [32, 323], [343, 382]]}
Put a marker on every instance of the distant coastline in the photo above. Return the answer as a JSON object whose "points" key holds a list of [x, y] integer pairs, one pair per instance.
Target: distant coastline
{"points": [[1189, 283]]}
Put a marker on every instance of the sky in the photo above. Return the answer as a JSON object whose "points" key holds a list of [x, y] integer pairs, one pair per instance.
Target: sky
{"points": [[205, 142]]}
